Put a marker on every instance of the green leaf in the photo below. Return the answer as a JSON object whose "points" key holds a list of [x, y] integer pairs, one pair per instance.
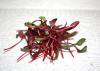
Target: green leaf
{"points": [[69, 35], [81, 41], [27, 23], [64, 46], [84, 49], [39, 39], [16, 35], [24, 49], [42, 17]]}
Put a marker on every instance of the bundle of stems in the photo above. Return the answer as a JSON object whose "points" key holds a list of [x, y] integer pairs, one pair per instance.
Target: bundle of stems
{"points": [[47, 41]]}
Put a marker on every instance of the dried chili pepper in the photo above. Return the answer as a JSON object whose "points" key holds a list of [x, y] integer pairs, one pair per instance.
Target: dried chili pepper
{"points": [[47, 41]]}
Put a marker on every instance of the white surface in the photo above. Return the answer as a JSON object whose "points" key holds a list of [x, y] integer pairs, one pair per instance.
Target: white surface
{"points": [[89, 27], [51, 4]]}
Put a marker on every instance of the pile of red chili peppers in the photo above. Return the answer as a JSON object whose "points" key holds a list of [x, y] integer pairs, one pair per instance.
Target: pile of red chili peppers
{"points": [[47, 41]]}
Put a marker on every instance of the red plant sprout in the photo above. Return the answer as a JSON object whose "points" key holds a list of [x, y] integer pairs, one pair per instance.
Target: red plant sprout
{"points": [[47, 41]]}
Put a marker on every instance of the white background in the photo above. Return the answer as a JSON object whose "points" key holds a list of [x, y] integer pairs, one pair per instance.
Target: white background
{"points": [[51, 4], [13, 14]]}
